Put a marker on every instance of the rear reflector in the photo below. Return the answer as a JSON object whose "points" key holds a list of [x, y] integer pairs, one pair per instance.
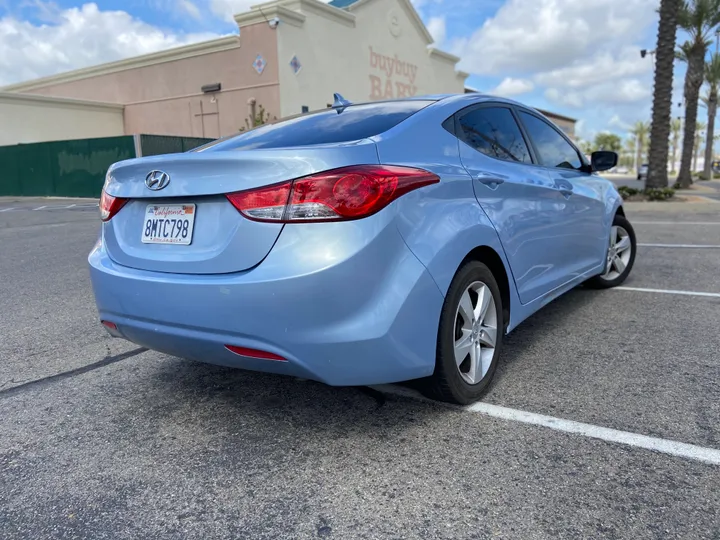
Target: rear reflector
{"points": [[341, 194], [110, 325], [254, 353], [109, 206]]}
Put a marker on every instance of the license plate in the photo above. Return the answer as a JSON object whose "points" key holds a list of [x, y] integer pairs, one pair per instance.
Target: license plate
{"points": [[168, 224]]}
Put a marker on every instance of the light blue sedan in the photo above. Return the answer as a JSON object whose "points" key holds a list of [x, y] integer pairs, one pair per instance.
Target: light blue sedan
{"points": [[362, 244]]}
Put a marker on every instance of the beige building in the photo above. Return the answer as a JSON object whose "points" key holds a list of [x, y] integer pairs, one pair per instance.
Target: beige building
{"points": [[290, 56], [27, 118]]}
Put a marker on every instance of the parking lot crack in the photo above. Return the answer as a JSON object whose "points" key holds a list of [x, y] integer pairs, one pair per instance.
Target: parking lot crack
{"points": [[46, 381]]}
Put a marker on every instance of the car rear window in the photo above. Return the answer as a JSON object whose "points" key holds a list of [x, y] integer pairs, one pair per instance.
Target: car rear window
{"points": [[324, 127]]}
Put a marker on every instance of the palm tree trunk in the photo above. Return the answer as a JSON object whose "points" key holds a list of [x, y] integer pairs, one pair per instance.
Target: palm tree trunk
{"points": [[695, 155], [710, 141], [693, 81], [662, 95]]}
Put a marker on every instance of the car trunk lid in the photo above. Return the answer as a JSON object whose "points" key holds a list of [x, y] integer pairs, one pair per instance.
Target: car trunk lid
{"points": [[220, 239]]}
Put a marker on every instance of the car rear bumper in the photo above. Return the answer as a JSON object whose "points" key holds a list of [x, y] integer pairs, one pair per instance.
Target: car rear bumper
{"points": [[360, 311]]}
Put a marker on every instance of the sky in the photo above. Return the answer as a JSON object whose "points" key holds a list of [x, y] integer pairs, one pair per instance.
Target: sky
{"points": [[580, 58]]}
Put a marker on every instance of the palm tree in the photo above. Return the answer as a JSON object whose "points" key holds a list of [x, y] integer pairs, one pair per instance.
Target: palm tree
{"points": [[699, 128], [712, 76], [640, 132], [698, 18], [675, 128], [662, 94]]}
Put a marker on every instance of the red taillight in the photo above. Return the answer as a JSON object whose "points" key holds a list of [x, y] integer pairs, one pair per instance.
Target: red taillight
{"points": [[109, 324], [109, 206], [341, 194], [254, 353]]}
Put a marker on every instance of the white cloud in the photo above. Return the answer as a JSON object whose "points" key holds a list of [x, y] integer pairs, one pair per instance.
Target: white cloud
{"points": [[436, 27], [226, 9], [597, 69], [78, 37], [619, 123], [512, 87], [543, 35], [191, 9], [567, 99], [623, 92]]}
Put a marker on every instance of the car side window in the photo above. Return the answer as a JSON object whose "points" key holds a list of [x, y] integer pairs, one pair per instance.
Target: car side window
{"points": [[494, 132], [552, 148]]}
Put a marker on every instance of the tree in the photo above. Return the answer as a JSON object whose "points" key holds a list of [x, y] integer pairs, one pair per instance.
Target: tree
{"points": [[640, 131], [662, 94], [608, 141], [258, 116], [586, 147], [699, 128], [698, 18], [675, 128], [712, 76]]}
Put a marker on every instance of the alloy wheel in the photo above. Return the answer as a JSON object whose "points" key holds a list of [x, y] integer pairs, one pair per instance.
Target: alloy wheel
{"points": [[619, 252], [476, 325]]}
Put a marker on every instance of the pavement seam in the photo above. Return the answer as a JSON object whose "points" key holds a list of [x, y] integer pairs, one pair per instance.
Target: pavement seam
{"points": [[51, 379]]}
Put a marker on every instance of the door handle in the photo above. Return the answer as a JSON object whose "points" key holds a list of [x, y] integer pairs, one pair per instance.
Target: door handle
{"points": [[490, 180]]}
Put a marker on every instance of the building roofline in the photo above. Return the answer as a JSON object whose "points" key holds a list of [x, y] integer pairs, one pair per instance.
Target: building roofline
{"points": [[411, 11], [168, 55], [51, 100], [556, 115], [470, 90], [290, 12], [451, 58]]}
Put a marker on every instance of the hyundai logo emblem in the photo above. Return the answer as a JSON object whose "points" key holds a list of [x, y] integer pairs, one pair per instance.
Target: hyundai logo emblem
{"points": [[157, 180]]}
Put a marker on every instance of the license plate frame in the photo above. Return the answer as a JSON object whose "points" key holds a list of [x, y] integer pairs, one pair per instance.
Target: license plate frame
{"points": [[164, 224]]}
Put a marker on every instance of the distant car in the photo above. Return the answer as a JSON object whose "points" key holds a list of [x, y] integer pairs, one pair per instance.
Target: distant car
{"points": [[362, 244], [622, 170], [642, 173]]}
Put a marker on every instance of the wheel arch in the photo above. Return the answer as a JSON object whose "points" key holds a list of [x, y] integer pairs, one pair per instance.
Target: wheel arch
{"points": [[491, 258]]}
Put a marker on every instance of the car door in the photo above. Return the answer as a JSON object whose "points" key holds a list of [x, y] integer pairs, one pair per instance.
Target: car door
{"points": [[584, 240], [523, 203]]}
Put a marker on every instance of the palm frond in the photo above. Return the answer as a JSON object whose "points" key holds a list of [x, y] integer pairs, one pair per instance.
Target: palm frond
{"points": [[699, 18]]}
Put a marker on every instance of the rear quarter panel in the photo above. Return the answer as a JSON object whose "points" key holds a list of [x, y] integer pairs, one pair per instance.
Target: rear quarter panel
{"points": [[441, 223]]}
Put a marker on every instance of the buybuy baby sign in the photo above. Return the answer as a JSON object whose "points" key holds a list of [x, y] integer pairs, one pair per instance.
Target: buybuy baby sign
{"points": [[391, 77]]}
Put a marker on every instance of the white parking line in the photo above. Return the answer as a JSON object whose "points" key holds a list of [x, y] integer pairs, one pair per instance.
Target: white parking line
{"points": [[668, 291], [40, 208], [690, 246], [7, 209], [664, 446], [676, 222]]}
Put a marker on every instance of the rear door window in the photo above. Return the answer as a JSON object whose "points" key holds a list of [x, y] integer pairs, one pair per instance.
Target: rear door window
{"points": [[552, 148], [494, 132], [329, 126]]}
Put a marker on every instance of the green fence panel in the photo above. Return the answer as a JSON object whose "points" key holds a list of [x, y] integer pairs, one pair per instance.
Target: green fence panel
{"points": [[154, 145], [34, 171], [80, 166], [61, 168], [76, 168], [9, 177]]}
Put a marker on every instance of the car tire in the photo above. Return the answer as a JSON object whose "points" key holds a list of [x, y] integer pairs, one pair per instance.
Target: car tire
{"points": [[612, 277], [463, 382]]}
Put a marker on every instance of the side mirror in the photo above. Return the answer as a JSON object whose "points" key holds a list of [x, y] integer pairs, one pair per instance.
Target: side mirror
{"points": [[602, 160]]}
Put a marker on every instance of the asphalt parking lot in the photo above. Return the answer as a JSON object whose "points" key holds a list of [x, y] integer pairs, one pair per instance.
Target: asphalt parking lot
{"points": [[101, 439]]}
